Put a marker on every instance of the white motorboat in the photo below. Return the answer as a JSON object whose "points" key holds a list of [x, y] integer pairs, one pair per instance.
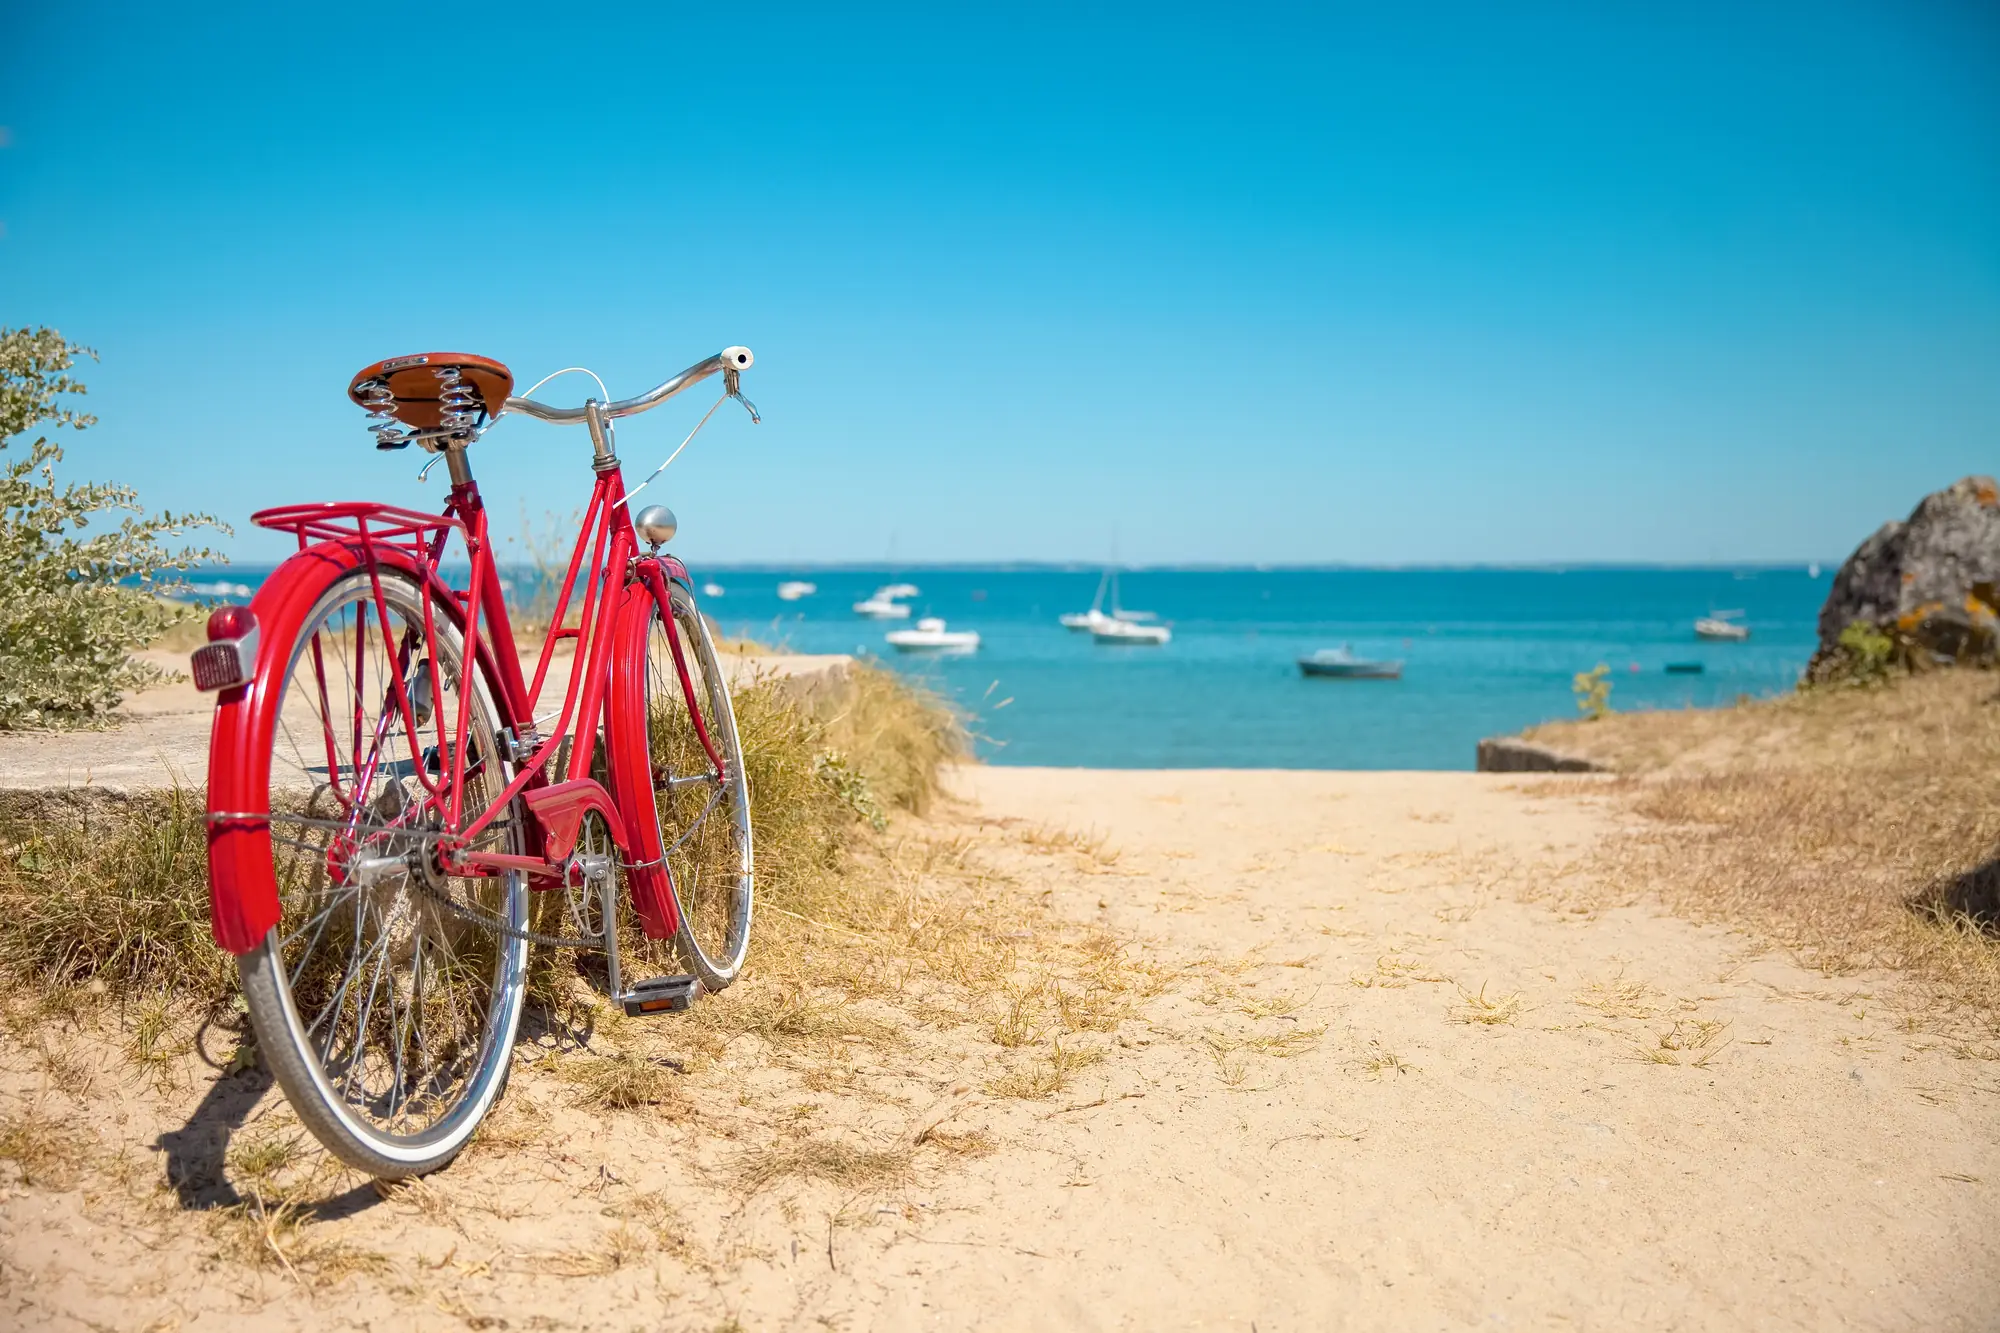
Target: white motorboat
{"points": [[1113, 630], [1722, 626], [793, 589], [711, 589], [894, 590], [879, 607], [930, 635]]}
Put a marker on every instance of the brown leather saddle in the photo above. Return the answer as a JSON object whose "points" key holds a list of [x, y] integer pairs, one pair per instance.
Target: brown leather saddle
{"points": [[443, 398]]}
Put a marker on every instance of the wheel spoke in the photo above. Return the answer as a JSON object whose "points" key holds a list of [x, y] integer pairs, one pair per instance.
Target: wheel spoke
{"points": [[398, 997]]}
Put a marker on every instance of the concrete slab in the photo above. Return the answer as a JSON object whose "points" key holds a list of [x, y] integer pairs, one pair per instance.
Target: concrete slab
{"points": [[161, 738]]}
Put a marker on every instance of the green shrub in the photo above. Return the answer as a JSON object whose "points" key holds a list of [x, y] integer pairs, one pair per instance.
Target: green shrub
{"points": [[68, 619], [1870, 652], [1593, 691]]}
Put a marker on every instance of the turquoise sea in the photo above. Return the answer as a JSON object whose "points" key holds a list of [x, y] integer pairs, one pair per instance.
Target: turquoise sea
{"points": [[1487, 651]]}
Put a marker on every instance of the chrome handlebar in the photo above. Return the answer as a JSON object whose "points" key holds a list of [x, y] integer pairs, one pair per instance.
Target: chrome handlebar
{"points": [[731, 361]]}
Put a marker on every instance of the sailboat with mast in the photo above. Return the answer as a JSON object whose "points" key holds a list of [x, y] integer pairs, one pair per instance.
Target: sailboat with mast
{"points": [[1086, 620], [1116, 625]]}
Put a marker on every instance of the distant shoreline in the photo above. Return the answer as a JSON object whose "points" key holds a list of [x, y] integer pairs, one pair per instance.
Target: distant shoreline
{"points": [[1827, 567]]}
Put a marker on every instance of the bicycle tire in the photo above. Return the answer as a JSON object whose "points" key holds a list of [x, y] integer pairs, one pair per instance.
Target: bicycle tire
{"points": [[431, 937]]}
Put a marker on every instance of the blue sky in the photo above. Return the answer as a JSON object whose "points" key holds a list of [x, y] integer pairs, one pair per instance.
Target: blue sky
{"points": [[1459, 283]]}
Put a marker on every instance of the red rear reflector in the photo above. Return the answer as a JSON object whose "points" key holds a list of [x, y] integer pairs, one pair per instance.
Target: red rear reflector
{"points": [[231, 652], [218, 666], [230, 622]]}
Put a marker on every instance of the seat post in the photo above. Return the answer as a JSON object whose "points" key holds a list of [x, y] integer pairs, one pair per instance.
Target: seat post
{"points": [[456, 463]]}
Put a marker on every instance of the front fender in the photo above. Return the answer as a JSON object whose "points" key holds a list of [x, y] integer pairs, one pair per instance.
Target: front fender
{"points": [[628, 753]]}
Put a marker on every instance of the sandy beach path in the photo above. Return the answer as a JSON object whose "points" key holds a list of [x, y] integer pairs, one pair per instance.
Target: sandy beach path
{"points": [[1406, 1071], [1674, 1130]]}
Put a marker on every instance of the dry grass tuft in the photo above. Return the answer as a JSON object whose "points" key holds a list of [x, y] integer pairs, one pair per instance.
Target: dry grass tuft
{"points": [[1045, 1075], [1477, 1008], [114, 897], [622, 1080], [957, 1143], [1619, 998], [1855, 827], [848, 1165], [281, 1234], [1698, 1039], [49, 1152], [1380, 1062]]}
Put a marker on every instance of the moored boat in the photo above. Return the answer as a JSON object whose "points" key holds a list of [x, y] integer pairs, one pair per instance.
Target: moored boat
{"points": [[1097, 617], [1091, 619], [793, 589], [1721, 626], [1341, 664], [930, 635], [879, 607], [1111, 630]]}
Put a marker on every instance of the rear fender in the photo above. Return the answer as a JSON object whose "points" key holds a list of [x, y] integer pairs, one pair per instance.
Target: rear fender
{"points": [[242, 891]]}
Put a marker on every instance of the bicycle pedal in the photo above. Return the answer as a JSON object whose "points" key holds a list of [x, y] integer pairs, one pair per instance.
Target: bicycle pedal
{"points": [[661, 995]]}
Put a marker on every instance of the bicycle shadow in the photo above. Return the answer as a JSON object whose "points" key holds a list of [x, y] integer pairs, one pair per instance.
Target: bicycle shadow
{"points": [[1972, 896], [197, 1154]]}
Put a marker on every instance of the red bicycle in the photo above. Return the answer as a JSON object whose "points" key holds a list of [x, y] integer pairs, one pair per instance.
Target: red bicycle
{"points": [[392, 824]]}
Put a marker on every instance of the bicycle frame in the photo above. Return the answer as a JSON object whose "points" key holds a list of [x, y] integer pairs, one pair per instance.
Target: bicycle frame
{"points": [[615, 582]]}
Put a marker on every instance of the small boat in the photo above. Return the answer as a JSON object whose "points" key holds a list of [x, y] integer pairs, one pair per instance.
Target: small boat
{"points": [[1091, 619], [894, 590], [711, 589], [1112, 630], [1684, 668], [879, 607], [1341, 664], [1721, 625], [930, 635], [1096, 616], [1812, 570], [793, 589]]}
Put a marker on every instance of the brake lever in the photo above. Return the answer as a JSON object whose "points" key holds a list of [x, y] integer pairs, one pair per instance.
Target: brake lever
{"points": [[732, 388]]}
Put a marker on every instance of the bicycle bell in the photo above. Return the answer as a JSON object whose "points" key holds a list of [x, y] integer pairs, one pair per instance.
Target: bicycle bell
{"points": [[656, 524]]}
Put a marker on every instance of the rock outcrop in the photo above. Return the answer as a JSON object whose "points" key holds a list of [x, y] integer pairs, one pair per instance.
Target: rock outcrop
{"points": [[1511, 754], [1922, 590]]}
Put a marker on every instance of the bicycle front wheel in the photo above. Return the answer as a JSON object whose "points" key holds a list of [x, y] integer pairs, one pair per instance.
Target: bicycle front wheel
{"points": [[386, 999], [700, 825]]}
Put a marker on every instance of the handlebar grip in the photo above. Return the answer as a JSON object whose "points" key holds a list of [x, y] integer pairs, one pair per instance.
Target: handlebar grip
{"points": [[736, 358]]}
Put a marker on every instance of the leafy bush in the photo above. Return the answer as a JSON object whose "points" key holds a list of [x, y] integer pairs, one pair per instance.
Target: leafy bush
{"points": [[1870, 652], [68, 618], [1863, 655], [1593, 691]]}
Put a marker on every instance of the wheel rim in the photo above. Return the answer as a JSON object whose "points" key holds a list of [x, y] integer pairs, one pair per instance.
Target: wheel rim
{"points": [[704, 816], [401, 983]]}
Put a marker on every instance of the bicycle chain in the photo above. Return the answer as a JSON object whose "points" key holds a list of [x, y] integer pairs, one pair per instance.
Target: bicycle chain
{"points": [[493, 923]]}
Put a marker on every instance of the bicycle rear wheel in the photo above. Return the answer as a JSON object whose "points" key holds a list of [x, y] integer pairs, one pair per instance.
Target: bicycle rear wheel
{"points": [[386, 999], [700, 811]]}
